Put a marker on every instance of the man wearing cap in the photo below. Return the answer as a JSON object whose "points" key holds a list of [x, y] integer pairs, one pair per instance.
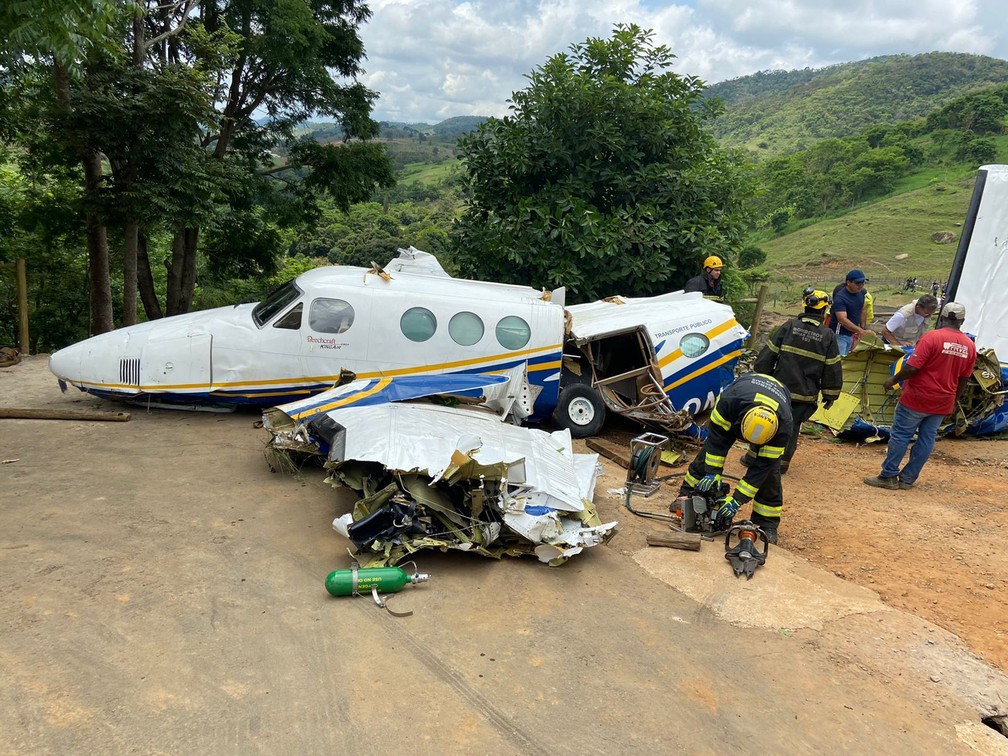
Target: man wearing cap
{"points": [[848, 310], [910, 321], [933, 378], [708, 282]]}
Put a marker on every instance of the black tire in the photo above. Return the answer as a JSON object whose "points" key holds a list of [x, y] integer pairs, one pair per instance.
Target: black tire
{"points": [[580, 410]]}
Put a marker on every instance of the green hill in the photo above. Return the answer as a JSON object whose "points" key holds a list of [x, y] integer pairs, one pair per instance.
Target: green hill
{"points": [[775, 112], [450, 128], [890, 240]]}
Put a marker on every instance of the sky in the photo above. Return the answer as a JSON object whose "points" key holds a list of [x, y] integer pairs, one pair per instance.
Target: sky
{"points": [[434, 59]]}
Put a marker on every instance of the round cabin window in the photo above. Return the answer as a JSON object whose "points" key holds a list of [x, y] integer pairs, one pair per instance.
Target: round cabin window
{"points": [[465, 328], [418, 324], [694, 344], [513, 332]]}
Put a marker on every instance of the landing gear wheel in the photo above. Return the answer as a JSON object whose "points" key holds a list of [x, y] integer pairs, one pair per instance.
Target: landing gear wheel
{"points": [[581, 410]]}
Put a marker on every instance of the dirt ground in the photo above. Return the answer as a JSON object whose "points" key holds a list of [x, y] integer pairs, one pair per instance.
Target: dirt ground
{"points": [[160, 592], [936, 551]]}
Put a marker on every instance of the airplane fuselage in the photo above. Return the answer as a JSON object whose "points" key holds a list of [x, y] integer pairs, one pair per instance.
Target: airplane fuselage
{"points": [[411, 319]]}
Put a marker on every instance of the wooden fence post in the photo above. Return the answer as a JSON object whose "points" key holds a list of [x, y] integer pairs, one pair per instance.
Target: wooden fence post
{"points": [[22, 289], [761, 298]]}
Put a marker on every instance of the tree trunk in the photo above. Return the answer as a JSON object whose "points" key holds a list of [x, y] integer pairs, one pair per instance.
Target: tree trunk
{"points": [[182, 271], [173, 297], [130, 244], [191, 243], [145, 280], [99, 279]]}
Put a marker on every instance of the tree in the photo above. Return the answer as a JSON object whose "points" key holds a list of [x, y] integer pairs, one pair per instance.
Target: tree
{"points": [[59, 36], [751, 257], [276, 59], [172, 109], [603, 178]]}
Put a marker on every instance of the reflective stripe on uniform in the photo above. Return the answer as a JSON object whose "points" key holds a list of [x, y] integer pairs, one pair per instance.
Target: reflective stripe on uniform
{"points": [[718, 420], [767, 401], [803, 398], [745, 488], [690, 480], [803, 353], [770, 452], [713, 460], [766, 510]]}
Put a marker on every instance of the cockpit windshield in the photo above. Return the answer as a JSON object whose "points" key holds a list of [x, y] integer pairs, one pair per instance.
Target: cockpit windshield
{"points": [[276, 301]]}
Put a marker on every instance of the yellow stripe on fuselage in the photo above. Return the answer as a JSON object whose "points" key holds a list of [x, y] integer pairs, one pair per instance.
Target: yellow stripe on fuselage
{"points": [[705, 369], [289, 382], [714, 332]]}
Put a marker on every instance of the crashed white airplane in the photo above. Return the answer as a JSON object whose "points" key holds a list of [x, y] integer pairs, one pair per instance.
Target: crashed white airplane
{"points": [[659, 360]]}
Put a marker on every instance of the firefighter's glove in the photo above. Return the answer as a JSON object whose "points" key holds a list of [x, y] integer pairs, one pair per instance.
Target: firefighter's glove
{"points": [[827, 404], [727, 507], [708, 483]]}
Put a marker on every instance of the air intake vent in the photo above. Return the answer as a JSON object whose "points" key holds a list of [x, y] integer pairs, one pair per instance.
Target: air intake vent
{"points": [[129, 371]]}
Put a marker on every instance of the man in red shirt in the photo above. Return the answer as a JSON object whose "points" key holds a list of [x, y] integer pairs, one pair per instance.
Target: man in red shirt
{"points": [[933, 377]]}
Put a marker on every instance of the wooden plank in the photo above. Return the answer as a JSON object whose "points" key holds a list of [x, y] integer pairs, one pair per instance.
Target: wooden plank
{"points": [[761, 298], [20, 413], [621, 454], [618, 454], [674, 540], [21, 273]]}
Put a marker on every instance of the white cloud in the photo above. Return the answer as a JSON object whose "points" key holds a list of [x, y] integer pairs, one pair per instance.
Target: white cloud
{"points": [[433, 59]]}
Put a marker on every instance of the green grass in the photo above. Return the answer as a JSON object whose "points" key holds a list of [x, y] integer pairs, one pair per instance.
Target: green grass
{"points": [[889, 240], [426, 173]]}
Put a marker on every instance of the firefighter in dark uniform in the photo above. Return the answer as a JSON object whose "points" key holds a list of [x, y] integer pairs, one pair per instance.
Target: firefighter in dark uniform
{"points": [[708, 282], [803, 355], [755, 408]]}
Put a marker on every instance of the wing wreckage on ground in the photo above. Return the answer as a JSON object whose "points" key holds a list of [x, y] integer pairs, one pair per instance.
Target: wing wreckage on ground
{"points": [[435, 464], [865, 409]]}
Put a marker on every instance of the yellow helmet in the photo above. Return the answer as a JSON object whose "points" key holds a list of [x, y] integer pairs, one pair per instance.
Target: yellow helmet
{"points": [[759, 425], [713, 262], [815, 299]]}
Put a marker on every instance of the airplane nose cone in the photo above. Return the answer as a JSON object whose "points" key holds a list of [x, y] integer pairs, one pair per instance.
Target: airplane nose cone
{"points": [[65, 363]]}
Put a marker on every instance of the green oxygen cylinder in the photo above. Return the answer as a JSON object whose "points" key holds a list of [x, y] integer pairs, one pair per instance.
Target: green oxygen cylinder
{"points": [[385, 579]]}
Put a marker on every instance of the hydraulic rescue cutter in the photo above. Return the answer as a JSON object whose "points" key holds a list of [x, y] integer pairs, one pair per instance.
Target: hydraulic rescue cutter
{"points": [[745, 556]]}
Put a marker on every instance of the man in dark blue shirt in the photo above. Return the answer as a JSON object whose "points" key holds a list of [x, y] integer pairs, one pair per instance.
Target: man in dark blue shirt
{"points": [[848, 306]]}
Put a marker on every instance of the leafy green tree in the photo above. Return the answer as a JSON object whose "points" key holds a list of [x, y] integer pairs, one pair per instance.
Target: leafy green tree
{"points": [[56, 38], [751, 257], [979, 150], [979, 112], [39, 223], [287, 60], [171, 111], [603, 179]]}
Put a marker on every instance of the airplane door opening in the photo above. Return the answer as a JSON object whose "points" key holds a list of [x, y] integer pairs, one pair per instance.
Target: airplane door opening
{"points": [[625, 378], [624, 370]]}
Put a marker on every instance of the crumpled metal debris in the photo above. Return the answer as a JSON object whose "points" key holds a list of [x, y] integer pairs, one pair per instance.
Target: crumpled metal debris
{"points": [[864, 411], [447, 477]]}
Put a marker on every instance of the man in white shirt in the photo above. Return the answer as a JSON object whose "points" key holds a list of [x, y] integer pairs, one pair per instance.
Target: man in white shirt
{"points": [[910, 321]]}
